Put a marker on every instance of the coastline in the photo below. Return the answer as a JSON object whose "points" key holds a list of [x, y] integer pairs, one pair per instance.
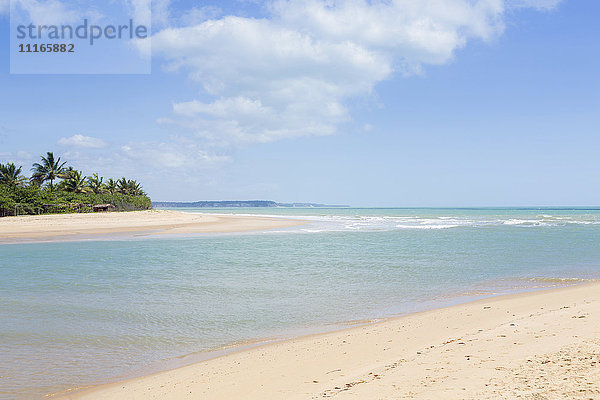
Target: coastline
{"points": [[534, 343], [59, 227]]}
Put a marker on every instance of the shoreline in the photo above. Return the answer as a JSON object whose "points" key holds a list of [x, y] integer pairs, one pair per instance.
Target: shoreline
{"points": [[85, 226], [298, 367]]}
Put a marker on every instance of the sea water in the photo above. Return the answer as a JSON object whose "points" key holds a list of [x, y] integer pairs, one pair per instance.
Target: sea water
{"points": [[79, 313]]}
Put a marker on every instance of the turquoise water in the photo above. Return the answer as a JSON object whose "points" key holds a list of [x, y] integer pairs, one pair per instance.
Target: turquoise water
{"points": [[79, 313]]}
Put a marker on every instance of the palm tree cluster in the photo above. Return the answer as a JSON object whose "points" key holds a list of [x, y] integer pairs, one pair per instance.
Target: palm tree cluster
{"points": [[50, 169], [11, 176]]}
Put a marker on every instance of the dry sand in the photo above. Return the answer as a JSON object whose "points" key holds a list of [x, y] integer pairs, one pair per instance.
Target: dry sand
{"points": [[74, 226], [542, 345]]}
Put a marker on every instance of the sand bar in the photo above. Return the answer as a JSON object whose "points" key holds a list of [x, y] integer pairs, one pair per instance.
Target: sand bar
{"points": [[74, 226], [537, 345]]}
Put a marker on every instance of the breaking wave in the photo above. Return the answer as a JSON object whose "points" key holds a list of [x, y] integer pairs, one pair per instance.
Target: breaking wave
{"points": [[385, 223]]}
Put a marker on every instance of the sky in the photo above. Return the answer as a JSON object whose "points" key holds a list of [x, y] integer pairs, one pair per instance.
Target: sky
{"points": [[433, 103]]}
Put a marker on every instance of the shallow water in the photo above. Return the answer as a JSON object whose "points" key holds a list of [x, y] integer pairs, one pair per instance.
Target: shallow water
{"points": [[79, 313]]}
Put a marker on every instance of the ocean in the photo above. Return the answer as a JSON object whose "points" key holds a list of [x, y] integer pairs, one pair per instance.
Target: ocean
{"points": [[86, 312]]}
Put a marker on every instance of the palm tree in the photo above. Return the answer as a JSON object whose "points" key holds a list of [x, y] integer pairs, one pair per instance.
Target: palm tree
{"points": [[11, 175], [111, 186], [74, 182], [123, 186], [65, 173], [36, 180], [129, 187], [95, 183], [135, 188], [49, 170]]}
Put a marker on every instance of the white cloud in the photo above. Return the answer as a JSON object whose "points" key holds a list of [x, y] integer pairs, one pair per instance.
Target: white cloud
{"points": [[160, 12], [82, 141], [56, 12], [291, 74], [140, 11], [177, 153], [20, 158], [416, 31], [240, 120], [48, 12], [152, 163], [269, 82]]}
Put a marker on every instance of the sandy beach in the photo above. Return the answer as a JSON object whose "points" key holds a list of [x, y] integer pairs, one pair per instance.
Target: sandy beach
{"points": [[155, 222], [540, 345]]}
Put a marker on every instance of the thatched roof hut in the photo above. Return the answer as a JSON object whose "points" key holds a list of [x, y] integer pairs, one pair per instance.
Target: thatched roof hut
{"points": [[103, 207]]}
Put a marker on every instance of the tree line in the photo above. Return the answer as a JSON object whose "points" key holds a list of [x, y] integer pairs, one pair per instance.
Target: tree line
{"points": [[55, 187]]}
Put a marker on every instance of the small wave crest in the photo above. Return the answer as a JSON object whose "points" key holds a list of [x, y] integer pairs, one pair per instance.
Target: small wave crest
{"points": [[426, 226], [557, 280], [337, 223]]}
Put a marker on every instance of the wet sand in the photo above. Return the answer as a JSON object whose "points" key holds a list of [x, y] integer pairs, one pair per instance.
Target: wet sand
{"points": [[540, 345], [57, 227]]}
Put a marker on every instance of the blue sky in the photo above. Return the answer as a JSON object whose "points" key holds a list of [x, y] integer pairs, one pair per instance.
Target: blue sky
{"points": [[448, 103]]}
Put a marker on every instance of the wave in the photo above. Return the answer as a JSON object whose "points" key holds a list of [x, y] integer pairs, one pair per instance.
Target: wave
{"points": [[346, 222], [557, 280], [368, 223], [401, 226]]}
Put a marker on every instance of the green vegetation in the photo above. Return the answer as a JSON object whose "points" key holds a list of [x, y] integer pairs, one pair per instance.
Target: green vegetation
{"points": [[48, 170], [57, 188], [11, 176]]}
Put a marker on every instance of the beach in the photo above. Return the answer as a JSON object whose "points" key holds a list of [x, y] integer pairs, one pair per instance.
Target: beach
{"points": [[151, 222], [536, 345], [351, 303], [300, 200]]}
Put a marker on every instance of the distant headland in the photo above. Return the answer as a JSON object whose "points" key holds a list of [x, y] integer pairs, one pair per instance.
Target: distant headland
{"points": [[241, 203]]}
